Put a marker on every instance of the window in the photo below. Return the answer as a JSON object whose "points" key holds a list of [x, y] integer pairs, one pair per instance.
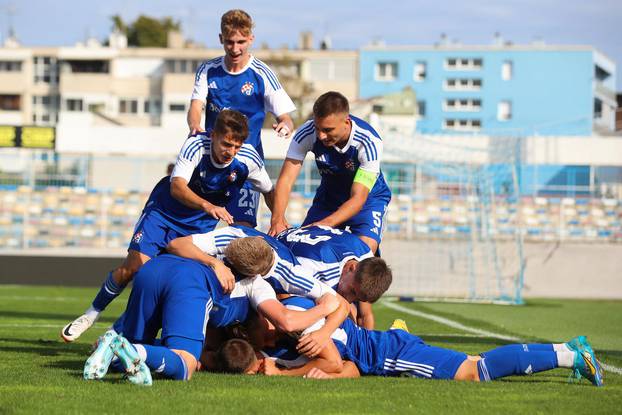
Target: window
{"points": [[74, 105], [182, 65], [504, 111], [463, 125], [10, 102], [464, 64], [421, 108], [153, 106], [386, 71], [10, 66], [506, 70], [45, 70], [176, 107], [463, 84], [128, 106], [419, 71]]}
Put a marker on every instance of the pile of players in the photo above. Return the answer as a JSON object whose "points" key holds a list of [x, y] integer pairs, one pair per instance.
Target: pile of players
{"points": [[294, 301]]}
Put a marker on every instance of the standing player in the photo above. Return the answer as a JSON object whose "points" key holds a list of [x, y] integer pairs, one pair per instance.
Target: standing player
{"points": [[353, 192], [207, 172], [242, 82]]}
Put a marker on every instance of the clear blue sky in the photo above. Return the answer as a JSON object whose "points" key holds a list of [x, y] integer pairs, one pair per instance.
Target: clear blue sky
{"points": [[350, 24]]}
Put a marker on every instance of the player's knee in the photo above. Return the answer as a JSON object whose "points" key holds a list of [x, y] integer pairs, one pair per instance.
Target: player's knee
{"points": [[189, 360], [467, 371]]}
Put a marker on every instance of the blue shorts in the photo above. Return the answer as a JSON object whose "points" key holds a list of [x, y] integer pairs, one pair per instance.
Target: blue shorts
{"points": [[410, 356], [244, 206], [154, 231], [368, 222], [176, 302]]}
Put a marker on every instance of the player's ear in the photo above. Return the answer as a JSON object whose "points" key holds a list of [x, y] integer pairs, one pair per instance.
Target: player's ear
{"points": [[221, 39]]}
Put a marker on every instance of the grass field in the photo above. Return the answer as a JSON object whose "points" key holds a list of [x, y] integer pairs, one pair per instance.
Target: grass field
{"points": [[39, 373]]}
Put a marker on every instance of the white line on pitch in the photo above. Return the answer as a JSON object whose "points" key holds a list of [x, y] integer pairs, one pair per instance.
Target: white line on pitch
{"points": [[46, 326], [460, 326]]}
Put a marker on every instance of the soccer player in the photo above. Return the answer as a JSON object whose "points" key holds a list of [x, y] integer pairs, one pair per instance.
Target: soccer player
{"points": [[180, 296], [242, 82], [286, 275], [209, 169], [352, 192], [332, 253], [399, 353]]}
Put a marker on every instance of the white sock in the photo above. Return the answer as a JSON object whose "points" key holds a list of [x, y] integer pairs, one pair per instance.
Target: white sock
{"points": [[565, 359], [92, 313]]}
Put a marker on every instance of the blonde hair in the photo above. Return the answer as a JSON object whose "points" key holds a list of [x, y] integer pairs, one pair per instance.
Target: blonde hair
{"points": [[250, 256], [236, 20]]}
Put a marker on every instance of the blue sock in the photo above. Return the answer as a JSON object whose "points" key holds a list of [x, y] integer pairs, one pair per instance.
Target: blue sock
{"points": [[108, 292], [164, 361], [534, 347], [512, 360]]}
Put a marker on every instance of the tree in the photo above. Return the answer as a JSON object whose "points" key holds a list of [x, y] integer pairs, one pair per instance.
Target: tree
{"points": [[146, 31]]}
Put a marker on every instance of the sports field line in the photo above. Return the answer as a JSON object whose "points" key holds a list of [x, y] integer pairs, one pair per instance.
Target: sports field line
{"points": [[40, 298], [473, 330]]}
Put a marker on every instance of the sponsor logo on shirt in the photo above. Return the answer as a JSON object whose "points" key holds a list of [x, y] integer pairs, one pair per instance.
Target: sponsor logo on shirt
{"points": [[212, 85], [247, 88]]}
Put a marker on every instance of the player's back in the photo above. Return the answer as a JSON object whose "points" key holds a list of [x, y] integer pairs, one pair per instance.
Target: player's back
{"points": [[324, 244]]}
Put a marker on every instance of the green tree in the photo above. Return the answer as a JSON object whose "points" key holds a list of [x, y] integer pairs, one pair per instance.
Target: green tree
{"points": [[146, 31]]}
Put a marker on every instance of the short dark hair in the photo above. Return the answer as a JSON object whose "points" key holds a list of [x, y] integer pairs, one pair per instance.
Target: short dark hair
{"points": [[329, 103], [235, 356], [232, 123], [374, 277]]}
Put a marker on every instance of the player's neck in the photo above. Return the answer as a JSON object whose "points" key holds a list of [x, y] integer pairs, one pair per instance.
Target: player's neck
{"points": [[237, 66]]}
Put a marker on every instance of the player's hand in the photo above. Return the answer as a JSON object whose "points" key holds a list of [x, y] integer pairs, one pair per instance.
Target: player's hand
{"points": [[311, 344], [316, 373], [218, 212], [195, 129], [282, 129], [329, 302], [224, 275], [278, 226], [268, 368]]}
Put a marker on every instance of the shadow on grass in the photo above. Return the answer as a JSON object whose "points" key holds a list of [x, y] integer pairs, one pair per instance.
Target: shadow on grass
{"points": [[44, 347], [48, 316]]}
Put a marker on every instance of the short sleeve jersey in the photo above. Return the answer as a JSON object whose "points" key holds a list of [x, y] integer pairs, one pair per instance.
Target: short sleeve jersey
{"points": [[214, 182], [338, 166], [324, 250], [253, 91]]}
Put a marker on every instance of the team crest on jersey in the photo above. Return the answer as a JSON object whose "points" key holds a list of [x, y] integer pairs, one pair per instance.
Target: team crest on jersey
{"points": [[349, 164], [247, 88], [232, 176], [138, 236]]}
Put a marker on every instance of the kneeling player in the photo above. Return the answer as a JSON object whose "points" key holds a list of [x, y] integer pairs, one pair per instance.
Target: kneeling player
{"points": [[209, 169]]}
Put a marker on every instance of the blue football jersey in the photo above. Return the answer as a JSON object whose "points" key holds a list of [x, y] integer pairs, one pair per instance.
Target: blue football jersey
{"points": [[253, 91], [338, 167], [286, 276], [324, 250]]}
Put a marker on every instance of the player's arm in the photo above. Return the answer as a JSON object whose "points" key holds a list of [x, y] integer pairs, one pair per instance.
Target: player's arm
{"points": [[349, 371], [311, 344], [186, 247], [194, 116], [361, 186], [184, 195], [289, 321], [328, 360], [289, 172], [365, 316]]}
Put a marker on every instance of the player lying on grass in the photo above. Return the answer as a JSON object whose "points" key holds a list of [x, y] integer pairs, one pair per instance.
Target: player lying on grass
{"points": [[399, 353], [338, 259], [209, 169], [180, 297], [330, 252]]}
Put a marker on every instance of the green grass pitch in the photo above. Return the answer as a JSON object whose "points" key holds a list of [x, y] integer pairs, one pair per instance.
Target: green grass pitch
{"points": [[41, 374]]}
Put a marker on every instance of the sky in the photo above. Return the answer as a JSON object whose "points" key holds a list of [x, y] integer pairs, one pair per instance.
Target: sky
{"points": [[349, 24]]}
